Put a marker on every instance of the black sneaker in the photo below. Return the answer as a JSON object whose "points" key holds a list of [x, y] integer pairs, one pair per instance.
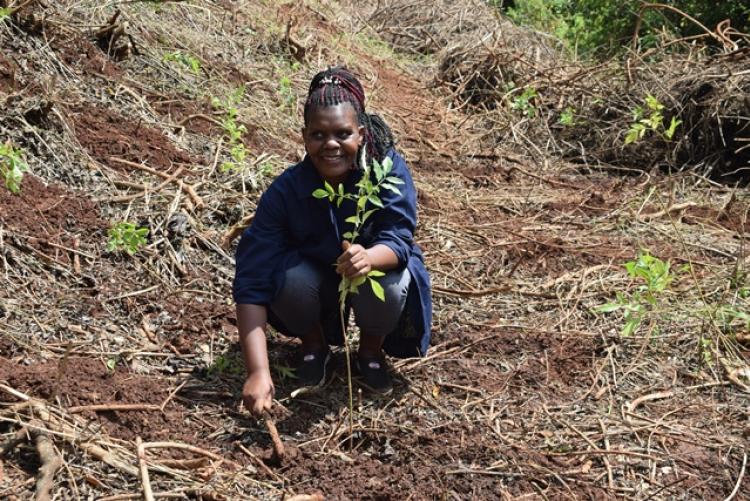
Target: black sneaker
{"points": [[313, 369], [374, 374]]}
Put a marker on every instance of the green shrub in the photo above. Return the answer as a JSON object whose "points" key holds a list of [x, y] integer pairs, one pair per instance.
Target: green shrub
{"points": [[12, 167]]}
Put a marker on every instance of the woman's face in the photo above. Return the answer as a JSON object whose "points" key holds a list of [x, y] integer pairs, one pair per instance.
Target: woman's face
{"points": [[332, 137]]}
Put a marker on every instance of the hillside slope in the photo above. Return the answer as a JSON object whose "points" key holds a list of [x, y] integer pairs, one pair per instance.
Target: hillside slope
{"points": [[125, 112]]}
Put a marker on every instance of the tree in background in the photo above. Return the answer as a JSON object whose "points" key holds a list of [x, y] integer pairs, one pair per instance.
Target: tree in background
{"points": [[604, 27]]}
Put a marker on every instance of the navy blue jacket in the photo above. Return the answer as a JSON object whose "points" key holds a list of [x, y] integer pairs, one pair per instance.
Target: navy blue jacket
{"points": [[291, 225]]}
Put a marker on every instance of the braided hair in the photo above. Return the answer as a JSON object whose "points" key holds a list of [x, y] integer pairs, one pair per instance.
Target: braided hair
{"points": [[338, 85]]}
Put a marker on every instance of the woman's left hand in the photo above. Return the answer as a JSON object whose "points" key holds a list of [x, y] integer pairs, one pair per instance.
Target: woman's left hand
{"points": [[354, 262]]}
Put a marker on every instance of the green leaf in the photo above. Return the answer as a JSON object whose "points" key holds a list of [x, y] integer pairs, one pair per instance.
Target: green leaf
{"points": [[394, 180], [352, 220], [377, 289], [367, 214], [329, 188], [361, 202], [607, 308], [630, 326], [320, 193], [392, 188], [387, 165], [374, 200], [376, 273], [348, 235], [357, 281], [653, 103], [669, 133], [636, 132], [379, 174]]}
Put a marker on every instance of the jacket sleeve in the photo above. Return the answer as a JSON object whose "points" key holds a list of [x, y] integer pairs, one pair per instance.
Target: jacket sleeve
{"points": [[261, 248], [394, 225]]}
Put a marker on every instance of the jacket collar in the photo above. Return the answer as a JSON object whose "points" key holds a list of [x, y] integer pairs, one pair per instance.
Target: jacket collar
{"points": [[308, 179]]}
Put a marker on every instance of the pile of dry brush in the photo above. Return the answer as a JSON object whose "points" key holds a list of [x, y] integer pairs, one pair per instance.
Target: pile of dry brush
{"points": [[529, 90]]}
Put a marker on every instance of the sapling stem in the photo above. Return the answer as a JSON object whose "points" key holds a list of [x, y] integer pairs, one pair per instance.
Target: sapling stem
{"points": [[367, 194], [342, 307]]}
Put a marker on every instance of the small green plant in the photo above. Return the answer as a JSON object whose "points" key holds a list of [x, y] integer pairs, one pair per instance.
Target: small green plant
{"points": [[12, 167], [111, 364], [655, 276], [232, 130], [5, 13], [229, 364], [287, 92], [653, 122], [524, 102], [284, 372], [191, 62], [568, 117], [367, 202], [126, 236]]}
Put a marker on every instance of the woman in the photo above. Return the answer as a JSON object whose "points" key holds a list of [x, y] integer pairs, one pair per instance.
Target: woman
{"points": [[284, 272]]}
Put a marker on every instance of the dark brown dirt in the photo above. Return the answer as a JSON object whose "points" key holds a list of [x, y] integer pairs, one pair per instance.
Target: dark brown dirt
{"points": [[104, 134], [85, 57], [83, 381], [40, 214], [8, 70]]}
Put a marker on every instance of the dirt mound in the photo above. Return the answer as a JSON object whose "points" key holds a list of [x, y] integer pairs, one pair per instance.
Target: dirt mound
{"points": [[104, 134]]}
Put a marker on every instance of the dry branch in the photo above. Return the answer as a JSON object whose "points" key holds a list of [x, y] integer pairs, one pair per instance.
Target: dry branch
{"points": [[188, 189], [278, 445], [51, 462]]}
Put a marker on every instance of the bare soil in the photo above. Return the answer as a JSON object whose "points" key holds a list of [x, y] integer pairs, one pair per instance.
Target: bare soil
{"points": [[526, 392]]}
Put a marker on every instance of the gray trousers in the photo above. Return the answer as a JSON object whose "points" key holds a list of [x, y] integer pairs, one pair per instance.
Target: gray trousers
{"points": [[309, 291]]}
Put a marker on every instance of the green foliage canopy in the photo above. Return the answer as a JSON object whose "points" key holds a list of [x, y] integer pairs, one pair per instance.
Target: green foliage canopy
{"points": [[604, 27]]}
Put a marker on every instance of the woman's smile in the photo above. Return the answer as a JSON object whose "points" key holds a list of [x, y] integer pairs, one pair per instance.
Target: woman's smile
{"points": [[332, 139]]}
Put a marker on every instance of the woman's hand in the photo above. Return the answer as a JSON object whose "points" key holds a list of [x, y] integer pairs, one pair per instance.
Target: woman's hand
{"points": [[354, 262], [257, 392]]}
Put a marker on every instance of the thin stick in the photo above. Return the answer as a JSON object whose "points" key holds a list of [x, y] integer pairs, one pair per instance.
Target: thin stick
{"points": [[278, 445], [739, 479], [115, 407], [198, 201], [259, 461], [148, 494], [191, 448], [51, 462], [349, 382]]}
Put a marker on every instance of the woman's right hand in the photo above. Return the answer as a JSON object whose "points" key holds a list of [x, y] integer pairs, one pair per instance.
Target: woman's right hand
{"points": [[257, 392]]}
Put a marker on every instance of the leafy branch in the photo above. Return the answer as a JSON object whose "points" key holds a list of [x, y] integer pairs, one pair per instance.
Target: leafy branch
{"points": [[367, 201]]}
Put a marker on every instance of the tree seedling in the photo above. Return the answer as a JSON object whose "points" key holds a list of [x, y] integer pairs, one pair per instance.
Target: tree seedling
{"points": [[654, 122], [367, 202], [232, 130], [12, 167], [524, 102], [567, 117], [655, 276], [127, 237], [191, 62]]}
